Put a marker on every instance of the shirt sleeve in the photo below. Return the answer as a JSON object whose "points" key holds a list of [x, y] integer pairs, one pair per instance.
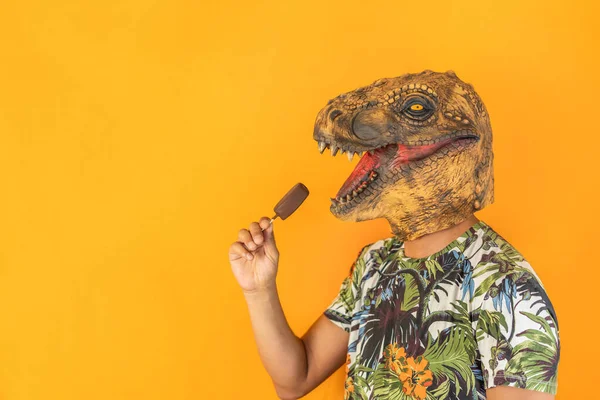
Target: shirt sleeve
{"points": [[343, 306], [517, 333]]}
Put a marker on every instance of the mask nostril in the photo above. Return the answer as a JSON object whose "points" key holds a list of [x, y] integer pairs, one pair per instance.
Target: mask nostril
{"points": [[371, 124], [334, 114]]}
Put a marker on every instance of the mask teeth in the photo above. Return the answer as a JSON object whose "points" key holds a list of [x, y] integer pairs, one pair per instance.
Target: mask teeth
{"points": [[322, 147], [356, 191], [336, 148]]}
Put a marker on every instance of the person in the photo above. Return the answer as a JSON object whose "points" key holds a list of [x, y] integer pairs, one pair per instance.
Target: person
{"points": [[445, 308]]}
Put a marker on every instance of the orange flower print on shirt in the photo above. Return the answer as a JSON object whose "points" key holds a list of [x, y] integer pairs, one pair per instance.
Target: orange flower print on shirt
{"points": [[395, 357], [416, 377], [349, 387]]}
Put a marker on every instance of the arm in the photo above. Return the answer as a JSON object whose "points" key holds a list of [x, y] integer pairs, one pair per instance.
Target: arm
{"points": [[296, 365], [511, 393]]}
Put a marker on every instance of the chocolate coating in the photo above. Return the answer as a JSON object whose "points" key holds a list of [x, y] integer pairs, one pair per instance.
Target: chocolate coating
{"points": [[291, 201]]}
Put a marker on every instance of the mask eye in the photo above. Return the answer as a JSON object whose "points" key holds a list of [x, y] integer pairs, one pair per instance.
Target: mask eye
{"points": [[418, 108]]}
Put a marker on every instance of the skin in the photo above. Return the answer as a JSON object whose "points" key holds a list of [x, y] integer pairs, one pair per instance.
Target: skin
{"points": [[297, 365]]}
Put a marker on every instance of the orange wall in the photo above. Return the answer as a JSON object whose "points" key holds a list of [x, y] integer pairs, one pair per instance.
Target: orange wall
{"points": [[137, 137]]}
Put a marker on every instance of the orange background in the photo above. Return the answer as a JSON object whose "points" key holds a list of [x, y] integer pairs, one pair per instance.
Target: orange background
{"points": [[137, 137]]}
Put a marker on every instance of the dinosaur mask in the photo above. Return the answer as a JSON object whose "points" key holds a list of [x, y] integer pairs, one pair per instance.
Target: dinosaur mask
{"points": [[425, 143]]}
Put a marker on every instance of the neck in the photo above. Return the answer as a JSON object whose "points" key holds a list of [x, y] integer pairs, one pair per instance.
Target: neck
{"points": [[430, 243]]}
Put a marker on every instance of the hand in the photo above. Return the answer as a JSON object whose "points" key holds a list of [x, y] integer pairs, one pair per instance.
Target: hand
{"points": [[254, 257]]}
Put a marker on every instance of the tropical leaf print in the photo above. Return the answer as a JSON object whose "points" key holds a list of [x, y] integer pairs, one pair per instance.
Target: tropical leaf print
{"points": [[352, 284], [384, 319], [530, 288], [490, 323], [355, 386], [447, 326], [535, 360], [492, 239], [451, 356]]}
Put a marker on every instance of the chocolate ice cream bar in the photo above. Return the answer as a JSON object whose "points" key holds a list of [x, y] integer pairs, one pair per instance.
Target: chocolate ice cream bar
{"points": [[291, 201]]}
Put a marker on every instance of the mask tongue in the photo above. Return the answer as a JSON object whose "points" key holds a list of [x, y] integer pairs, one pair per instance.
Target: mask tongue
{"points": [[405, 153], [400, 154], [366, 164]]}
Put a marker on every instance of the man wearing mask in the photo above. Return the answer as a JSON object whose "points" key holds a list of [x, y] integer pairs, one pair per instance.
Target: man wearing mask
{"points": [[445, 308]]}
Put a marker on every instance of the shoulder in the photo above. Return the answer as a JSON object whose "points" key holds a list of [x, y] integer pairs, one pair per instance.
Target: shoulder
{"points": [[502, 276], [493, 257], [380, 251], [362, 274], [373, 255]]}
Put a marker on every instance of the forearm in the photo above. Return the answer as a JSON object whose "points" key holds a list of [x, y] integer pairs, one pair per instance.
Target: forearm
{"points": [[282, 353]]}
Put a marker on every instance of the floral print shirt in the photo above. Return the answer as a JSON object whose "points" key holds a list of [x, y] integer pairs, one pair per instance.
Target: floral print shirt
{"points": [[448, 326]]}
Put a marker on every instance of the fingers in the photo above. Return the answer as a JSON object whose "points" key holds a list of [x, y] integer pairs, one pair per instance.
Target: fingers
{"points": [[245, 237], [237, 251], [253, 237], [267, 227], [264, 223], [256, 233]]}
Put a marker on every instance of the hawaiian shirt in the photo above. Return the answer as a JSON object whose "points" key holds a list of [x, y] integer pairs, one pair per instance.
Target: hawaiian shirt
{"points": [[448, 326]]}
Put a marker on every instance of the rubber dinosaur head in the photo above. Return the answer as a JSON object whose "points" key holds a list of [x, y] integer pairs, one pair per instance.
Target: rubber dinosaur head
{"points": [[427, 145]]}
